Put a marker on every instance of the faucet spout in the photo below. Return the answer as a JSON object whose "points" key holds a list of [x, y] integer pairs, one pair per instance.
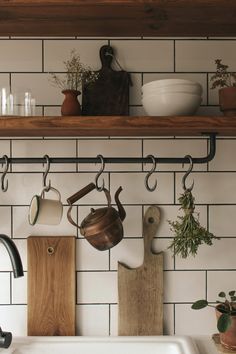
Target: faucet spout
{"points": [[14, 255]]}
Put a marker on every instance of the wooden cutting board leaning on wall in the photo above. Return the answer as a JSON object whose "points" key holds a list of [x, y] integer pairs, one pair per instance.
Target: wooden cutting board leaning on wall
{"points": [[51, 286], [140, 290], [109, 94]]}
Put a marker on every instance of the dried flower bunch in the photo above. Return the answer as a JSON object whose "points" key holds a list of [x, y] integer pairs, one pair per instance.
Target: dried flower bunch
{"points": [[222, 78], [226, 307], [189, 234], [76, 74]]}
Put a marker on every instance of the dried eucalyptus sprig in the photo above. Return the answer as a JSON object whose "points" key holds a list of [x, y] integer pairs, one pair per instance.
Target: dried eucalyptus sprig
{"points": [[222, 78], [76, 74], [189, 234]]}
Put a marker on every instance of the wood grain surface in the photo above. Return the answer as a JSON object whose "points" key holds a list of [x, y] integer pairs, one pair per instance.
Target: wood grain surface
{"points": [[140, 290], [109, 94], [117, 18], [117, 126], [51, 286]]}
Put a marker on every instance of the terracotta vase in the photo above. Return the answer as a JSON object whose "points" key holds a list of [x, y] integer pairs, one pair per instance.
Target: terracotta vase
{"points": [[71, 105], [227, 100], [228, 338]]}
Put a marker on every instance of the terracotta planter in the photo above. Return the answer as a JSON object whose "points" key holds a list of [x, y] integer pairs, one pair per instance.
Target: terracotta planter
{"points": [[71, 105], [228, 338], [227, 100]]}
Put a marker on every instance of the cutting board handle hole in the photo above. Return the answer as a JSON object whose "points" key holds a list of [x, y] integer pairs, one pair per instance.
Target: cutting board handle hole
{"points": [[50, 250], [151, 220]]}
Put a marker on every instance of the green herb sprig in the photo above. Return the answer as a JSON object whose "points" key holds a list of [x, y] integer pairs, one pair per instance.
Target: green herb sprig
{"points": [[222, 77], [189, 234], [227, 307]]}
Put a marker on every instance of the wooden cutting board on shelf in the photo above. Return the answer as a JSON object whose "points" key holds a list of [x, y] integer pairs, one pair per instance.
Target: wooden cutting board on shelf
{"points": [[51, 286], [140, 290], [109, 94]]}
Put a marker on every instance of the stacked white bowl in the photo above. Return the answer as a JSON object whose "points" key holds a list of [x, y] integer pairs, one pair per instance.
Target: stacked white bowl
{"points": [[171, 97]]}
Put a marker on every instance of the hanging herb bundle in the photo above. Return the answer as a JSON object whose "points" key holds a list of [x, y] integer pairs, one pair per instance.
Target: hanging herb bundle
{"points": [[189, 234]]}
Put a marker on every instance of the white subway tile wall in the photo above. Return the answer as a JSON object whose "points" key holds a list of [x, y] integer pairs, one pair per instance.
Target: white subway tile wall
{"points": [[25, 64]]}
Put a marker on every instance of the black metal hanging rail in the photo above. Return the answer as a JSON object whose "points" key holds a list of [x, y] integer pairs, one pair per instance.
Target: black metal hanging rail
{"points": [[128, 160]]}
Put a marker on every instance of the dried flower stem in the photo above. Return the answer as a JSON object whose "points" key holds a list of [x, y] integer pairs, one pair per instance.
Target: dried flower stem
{"points": [[76, 74]]}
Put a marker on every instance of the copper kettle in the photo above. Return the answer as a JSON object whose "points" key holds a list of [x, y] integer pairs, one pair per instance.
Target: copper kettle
{"points": [[103, 227]]}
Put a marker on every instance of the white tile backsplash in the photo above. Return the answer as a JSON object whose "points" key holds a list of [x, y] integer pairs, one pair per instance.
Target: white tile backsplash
{"points": [[57, 51], [5, 288], [200, 55], [211, 188], [221, 220], [184, 286], [52, 148], [219, 281], [188, 321], [135, 191], [92, 320], [21, 55], [211, 257], [19, 289], [110, 148], [225, 148], [174, 148], [14, 319], [25, 65], [154, 55], [96, 287], [88, 257], [40, 87]]}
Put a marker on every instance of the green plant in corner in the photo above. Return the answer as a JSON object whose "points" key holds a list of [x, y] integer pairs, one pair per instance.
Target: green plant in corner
{"points": [[189, 234], [222, 77], [226, 307], [76, 74]]}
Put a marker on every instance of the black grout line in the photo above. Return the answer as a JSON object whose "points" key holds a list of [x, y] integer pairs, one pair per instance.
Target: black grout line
{"points": [[174, 317], [109, 319]]}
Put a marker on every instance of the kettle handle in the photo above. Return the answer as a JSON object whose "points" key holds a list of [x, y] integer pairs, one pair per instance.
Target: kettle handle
{"points": [[71, 200], [80, 194]]}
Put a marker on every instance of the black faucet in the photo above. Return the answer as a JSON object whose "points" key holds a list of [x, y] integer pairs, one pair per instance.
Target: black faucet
{"points": [[6, 337]]}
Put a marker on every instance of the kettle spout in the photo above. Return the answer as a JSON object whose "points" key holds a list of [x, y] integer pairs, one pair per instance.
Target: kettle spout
{"points": [[121, 209]]}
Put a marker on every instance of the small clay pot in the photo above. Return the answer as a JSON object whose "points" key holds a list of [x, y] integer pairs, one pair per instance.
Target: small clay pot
{"points": [[227, 100], [71, 105], [228, 338]]}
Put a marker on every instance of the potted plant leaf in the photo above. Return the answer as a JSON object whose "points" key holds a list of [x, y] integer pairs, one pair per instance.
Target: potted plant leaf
{"points": [[226, 81], [226, 317], [76, 74]]}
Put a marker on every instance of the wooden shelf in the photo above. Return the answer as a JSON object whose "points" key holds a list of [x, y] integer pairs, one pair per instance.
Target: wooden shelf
{"points": [[116, 126], [117, 18]]}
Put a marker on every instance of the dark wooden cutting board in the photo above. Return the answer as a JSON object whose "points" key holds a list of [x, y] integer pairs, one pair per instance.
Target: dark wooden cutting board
{"points": [[109, 94], [51, 286], [140, 290]]}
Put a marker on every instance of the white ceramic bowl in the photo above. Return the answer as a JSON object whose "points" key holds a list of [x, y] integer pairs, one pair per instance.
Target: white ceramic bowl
{"points": [[171, 104], [169, 82], [185, 88]]}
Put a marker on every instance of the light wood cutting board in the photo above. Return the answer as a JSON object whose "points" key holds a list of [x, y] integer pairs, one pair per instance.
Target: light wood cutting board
{"points": [[51, 286], [140, 290]]}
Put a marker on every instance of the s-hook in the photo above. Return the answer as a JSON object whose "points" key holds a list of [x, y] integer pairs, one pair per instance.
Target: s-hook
{"points": [[5, 187], [187, 173], [47, 187], [151, 189], [101, 188]]}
